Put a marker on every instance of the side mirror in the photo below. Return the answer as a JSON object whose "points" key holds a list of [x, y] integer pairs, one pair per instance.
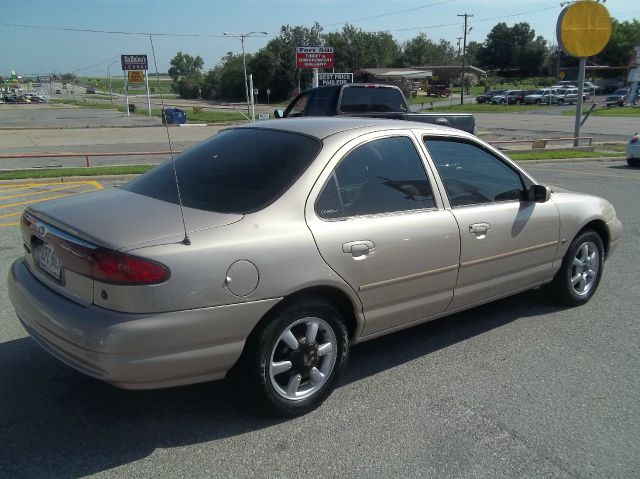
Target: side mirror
{"points": [[539, 193], [279, 113]]}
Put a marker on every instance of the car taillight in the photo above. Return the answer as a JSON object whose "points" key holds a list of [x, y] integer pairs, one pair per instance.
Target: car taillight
{"points": [[113, 267], [634, 139]]}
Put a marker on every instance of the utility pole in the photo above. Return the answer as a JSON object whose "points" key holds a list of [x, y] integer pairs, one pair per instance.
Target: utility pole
{"points": [[459, 46], [464, 53]]}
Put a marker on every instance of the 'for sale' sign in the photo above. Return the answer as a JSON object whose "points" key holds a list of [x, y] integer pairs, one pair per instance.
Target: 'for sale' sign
{"points": [[314, 57]]}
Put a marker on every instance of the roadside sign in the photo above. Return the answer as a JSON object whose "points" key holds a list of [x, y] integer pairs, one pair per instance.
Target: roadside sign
{"points": [[134, 62], [325, 79], [256, 91], [135, 80], [263, 116], [44, 79], [562, 75], [314, 57]]}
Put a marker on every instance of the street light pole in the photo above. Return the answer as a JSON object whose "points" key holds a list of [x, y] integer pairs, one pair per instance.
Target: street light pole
{"points": [[109, 75], [241, 37]]}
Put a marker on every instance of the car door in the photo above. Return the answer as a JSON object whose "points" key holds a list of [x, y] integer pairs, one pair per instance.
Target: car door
{"points": [[508, 242], [379, 224]]}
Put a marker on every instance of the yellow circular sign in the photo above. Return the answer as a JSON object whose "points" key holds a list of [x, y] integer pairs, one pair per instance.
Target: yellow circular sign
{"points": [[562, 75], [584, 28]]}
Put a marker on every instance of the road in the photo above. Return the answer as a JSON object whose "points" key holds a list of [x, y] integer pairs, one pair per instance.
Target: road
{"points": [[518, 388]]}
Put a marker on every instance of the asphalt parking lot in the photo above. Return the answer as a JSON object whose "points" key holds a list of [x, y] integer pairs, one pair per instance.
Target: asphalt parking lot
{"points": [[517, 388]]}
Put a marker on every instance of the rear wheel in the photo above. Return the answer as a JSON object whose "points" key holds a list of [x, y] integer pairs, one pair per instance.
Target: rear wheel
{"points": [[579, 275], [294, 360], [633, 162]]}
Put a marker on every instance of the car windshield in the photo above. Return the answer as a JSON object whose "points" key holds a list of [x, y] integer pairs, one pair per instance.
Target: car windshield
{"points": [[621, 92], [538, 92], [236, 171]]}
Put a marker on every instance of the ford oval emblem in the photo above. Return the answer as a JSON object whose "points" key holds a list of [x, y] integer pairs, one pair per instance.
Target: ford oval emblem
{"points": [[41, 230]]}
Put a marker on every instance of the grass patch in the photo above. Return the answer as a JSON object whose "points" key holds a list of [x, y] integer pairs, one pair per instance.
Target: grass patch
{"points": [[559, 155], [65, 172], [84, 104], [484, 108], [613, 111], [205, 116]]}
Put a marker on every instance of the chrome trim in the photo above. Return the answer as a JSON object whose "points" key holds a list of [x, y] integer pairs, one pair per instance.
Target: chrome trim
{"points": [[52, 230], [510, 253], [400, 279]]}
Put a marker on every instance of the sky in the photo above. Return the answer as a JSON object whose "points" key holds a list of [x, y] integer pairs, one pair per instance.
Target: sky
{"points": [[34, 41]]}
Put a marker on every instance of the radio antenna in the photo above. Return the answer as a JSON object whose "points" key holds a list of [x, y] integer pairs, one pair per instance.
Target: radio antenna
{"points": [[186, 240]]}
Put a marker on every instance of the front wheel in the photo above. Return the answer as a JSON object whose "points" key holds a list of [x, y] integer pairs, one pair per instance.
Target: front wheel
{"points": [[294, 360], [579, 275]]}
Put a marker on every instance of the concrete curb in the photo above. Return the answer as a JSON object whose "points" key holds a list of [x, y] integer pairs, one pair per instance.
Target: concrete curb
{"points": [[128, 177]]}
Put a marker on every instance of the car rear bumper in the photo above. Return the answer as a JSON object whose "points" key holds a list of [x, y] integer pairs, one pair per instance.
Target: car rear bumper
{"points": [[134, 351]]}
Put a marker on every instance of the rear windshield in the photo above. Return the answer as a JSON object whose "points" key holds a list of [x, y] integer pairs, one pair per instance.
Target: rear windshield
{"points": [[236, 171], [363, 99]]}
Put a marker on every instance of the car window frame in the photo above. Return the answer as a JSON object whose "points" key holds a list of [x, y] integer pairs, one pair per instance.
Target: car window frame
{"points": [[328, 174], [525, 179]]}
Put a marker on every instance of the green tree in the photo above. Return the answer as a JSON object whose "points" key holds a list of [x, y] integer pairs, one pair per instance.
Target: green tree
{"points": [[184, 65], [421, 50], [513, 49], [624, 37]]}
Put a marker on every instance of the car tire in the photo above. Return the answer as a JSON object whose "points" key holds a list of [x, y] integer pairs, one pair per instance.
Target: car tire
{"points": [[579, 275], [633, 162], [538, 102], [288, 382], [560, 102]]}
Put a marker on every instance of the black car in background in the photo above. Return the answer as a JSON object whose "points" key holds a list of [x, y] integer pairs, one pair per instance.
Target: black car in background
{"points": [[486, 97]]}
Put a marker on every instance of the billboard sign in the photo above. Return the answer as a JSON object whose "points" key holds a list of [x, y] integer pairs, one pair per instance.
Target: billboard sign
{"points": [[44, 79], [325, 79], [134, 62], [314, 57], [135, 80]]}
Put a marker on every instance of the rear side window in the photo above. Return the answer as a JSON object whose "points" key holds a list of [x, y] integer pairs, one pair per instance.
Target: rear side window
{"points": [[236, 171], [381, 176], [363, 99]]}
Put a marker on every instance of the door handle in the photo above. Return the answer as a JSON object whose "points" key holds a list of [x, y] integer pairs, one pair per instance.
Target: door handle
{"points": [[358, 249], [480, 229]]}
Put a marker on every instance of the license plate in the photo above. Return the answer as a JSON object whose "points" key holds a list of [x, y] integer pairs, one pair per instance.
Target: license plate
{"points": [[47, 259]]}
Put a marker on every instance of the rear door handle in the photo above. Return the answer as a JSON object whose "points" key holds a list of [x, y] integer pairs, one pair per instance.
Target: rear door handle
{"points": [[358, 249], [480, 229]]}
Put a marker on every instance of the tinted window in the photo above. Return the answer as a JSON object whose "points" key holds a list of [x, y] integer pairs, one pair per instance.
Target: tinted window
{"points": [[363, 99], [236, 171], [381, 176], [319, 102], [297, 108], [472, 175]]}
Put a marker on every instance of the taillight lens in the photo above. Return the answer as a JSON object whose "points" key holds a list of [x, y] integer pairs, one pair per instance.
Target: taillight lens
{"points": [[634, 139], [120, 268]]}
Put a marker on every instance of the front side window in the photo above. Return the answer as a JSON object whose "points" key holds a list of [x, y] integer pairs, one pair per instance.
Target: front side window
{"points": [[472, 175], [297, 108], [381, 176], [237, 171]]}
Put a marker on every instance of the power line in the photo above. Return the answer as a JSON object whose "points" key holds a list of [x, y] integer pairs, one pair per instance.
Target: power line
{"points": [[109, 32]]}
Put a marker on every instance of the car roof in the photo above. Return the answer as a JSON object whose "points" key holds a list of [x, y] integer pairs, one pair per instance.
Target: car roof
{"points": [[323, 127]]}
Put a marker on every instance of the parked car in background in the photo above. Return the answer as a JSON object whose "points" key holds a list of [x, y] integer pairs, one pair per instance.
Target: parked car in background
{"points": [[299, 238], [438, 90], [633, 151], [511, 97], [486, 97], [617, 97], [544, 96], [567, 96]]}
